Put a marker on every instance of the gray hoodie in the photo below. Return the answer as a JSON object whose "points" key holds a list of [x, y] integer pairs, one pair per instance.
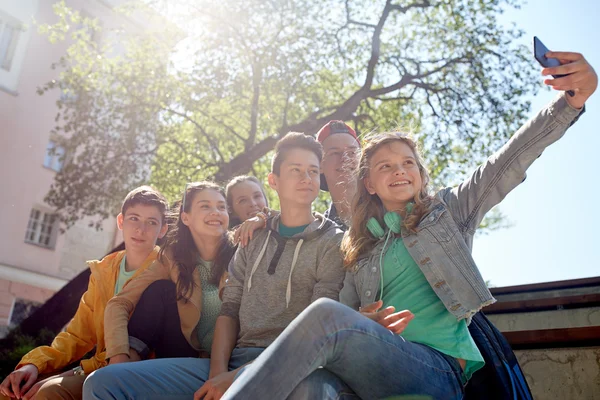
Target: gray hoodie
{"points": [[275, 278]]}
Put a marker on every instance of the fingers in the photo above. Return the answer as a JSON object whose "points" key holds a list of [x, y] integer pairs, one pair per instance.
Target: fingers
{"points": [[565, 69], [5, 387], [30, 381], [379, 316], [401, 323], [30, 394], [373, 307], [15, 383], [200, 393], [564, 55]]}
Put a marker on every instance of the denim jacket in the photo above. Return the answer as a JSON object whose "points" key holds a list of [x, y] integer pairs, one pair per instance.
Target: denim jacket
{"points": [[444, 239]]}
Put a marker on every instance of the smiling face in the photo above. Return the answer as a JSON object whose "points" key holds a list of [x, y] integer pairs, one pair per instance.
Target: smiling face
{"points": [[394, 175], [207, 215], [298, 180], [247, 199], [142, 226]]}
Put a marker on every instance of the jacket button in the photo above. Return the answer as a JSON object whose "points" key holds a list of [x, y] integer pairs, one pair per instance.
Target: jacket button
{"points": [[431, 218], [368, 293], [374, 269]]}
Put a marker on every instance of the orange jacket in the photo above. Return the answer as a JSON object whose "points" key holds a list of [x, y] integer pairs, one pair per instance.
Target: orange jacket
{"points": [[120, 307], [86, 329]]}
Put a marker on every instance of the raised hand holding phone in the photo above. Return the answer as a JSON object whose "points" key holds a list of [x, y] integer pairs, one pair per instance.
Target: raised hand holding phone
{"points": [[570, 72]]}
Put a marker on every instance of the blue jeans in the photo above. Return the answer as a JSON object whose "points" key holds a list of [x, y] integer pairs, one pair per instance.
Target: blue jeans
{"points": [[373, 361], [180, 378]]}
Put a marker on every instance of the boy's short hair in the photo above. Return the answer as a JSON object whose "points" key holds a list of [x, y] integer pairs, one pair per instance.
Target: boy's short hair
{"points": [[148, 196], [291, 141]]}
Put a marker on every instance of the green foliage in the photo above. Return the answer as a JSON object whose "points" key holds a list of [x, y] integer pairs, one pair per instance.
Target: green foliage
{"points": [[17, 345], [248, 72]]}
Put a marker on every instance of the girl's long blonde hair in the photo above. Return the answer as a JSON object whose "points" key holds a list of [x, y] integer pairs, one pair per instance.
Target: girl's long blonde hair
{"points": [[359, 240]]}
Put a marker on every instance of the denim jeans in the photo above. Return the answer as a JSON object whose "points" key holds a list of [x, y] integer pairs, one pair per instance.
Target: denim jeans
{"points": [[373, 361], [180, 378]]}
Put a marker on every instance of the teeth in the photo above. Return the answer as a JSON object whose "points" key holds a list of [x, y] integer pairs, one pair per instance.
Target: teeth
{"points": [[213, 223], [399, 183]]}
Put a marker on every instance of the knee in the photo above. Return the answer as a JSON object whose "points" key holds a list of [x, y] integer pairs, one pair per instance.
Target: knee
{"points": [[157, 293], [97, 385], [325, 308], [49, 391]]}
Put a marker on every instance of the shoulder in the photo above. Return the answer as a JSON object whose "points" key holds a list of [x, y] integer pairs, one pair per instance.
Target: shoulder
{"points": [[109, 262]]}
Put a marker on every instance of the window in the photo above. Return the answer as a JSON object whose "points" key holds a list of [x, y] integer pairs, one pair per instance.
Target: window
{"points": [[41, 229], [21, 310], [55, 156], [9, 37]]}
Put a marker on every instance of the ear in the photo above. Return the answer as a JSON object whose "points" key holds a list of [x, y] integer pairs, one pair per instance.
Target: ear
{"points": [[369, 186], [163, 230], [272, 179], [185, 218], [120, 221]]}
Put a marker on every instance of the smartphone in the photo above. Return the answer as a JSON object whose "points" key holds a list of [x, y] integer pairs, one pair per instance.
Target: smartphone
{"points": [[539, 52]]}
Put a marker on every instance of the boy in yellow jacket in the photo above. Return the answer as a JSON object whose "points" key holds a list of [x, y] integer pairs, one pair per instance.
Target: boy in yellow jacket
{"points": [[143, 222]]}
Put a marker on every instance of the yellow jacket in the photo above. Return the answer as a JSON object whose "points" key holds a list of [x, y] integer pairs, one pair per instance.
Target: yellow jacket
{"points": [[86, 329], [120, 307]]}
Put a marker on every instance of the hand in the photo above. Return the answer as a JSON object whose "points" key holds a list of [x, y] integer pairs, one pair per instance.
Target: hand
{"points": [[215, 387], [581, 79], [34, 389], [19, 381], [245, 231], [395, 322], [118, 359]]}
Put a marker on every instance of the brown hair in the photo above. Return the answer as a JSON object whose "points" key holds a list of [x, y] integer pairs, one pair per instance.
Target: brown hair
{"points": [[359, 240], [291, 141], [148, 196], [234, 220], [181, 250]]}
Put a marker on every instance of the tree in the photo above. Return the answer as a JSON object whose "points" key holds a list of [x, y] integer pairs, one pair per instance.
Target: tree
{"points": [[249, 72]]}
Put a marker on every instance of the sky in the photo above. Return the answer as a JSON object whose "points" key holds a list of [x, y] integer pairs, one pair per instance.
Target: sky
{"points": [[556, 227]]}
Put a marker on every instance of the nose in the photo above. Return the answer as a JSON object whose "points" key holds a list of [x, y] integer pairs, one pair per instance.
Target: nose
{"points": [[399, 170], [306, 177], [141, 227]]}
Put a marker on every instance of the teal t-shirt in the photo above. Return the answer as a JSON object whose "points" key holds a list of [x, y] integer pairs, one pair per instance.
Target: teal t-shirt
{"points": [[287, 231], [211, 306], [123, 277], [406, 288]]}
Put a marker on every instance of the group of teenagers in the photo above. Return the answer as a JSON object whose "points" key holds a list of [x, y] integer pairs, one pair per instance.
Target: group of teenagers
{"points": [[370, 300]]}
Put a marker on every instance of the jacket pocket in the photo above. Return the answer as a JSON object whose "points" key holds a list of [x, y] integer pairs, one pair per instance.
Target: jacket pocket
{"points": [[440, 225]]}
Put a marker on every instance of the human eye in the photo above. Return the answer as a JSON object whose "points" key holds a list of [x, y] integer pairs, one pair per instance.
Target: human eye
{"points": [[153, 223], [384, 166], [242, 201], [133, 218]]}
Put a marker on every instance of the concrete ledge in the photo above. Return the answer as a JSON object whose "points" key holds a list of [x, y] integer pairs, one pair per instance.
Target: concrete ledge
{"points": [[31, 278]]}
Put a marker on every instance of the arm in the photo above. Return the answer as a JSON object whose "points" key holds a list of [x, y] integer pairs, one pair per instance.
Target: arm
{"points": [[119, 309], [72, 344], [225, 338], [330, 271], [348, 295], [227, 325], [505, 169]]}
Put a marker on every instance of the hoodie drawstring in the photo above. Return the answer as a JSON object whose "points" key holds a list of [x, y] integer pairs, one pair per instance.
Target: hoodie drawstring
{"points": [[288, 292], [260, 256]]}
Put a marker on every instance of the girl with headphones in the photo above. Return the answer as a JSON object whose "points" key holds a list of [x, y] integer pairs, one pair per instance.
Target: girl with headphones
{"points": [[410, 250]]}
